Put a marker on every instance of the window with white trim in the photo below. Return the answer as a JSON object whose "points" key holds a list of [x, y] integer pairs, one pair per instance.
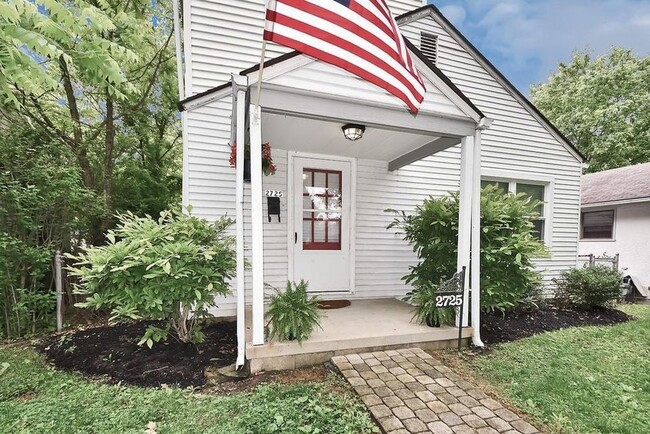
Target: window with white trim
{"points": [[597, 225], [429, 46], [536, 191]]}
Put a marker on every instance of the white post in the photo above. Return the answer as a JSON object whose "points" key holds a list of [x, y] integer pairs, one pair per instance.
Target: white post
{"points": [[239, 91], [476, 234], [257, 223], [58, 277], [465, 217]]}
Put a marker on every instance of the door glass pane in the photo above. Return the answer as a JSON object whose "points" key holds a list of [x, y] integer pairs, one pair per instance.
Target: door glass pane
{"points": [[306, 231], [333, 231], [319, 231], [319, 179], [306, 203]]}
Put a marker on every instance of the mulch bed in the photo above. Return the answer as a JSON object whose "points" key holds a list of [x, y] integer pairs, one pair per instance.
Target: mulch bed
{"points": [[497, 327], [112, 352]]}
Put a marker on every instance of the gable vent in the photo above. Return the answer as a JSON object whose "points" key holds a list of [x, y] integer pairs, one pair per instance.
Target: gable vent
{"points": [[429, 46]]}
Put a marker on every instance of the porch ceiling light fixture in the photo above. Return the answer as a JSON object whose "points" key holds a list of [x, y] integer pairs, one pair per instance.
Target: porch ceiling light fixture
{"points": [[353, 131]]}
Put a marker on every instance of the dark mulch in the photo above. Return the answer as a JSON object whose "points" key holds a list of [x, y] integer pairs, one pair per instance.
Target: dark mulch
{"points": [[112, 352], [497, 327]]}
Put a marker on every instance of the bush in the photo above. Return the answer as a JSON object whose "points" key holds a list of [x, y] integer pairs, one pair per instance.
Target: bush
{"points": [[507, 244], [292, 314], [596, 286], [43, 207], [166, 269]]}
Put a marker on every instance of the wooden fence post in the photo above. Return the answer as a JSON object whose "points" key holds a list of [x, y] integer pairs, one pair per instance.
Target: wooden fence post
{"points": [[59, 290]]}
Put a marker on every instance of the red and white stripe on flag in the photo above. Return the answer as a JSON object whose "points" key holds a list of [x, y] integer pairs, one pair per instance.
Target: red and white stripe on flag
{"points": [[360, 36]]}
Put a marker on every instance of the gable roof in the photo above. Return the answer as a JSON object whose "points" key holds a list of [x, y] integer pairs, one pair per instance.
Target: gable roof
{"points": [[625, 184], [290, 55], [434, 12]]}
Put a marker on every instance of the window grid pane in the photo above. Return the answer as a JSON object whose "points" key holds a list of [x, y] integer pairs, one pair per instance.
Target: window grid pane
{"points": [[322, 194]]}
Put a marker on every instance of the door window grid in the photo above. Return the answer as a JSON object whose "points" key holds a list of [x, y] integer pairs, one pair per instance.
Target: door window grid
{"points": [[322, 201]]}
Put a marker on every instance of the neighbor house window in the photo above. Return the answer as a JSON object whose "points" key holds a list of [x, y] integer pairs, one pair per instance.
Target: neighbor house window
{"points": [[429, 46], [537, 192], [597, 225]]}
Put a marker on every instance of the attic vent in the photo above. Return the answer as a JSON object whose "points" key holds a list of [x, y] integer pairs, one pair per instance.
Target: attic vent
{"points": [[429, 46]]}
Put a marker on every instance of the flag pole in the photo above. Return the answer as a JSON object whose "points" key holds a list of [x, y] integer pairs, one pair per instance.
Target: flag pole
{"points": [[259, 79]]}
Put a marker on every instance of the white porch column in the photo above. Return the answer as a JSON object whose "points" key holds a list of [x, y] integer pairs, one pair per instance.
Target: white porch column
{"points": [[465, 217], [239, 93], [257, 223], [476, 234]]}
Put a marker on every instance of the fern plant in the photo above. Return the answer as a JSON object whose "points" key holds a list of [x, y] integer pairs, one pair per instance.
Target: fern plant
{"points": [[425, 311], [292, 314]]}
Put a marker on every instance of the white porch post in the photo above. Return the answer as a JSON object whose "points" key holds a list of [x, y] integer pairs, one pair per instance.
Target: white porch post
{"points": [[239, 92], [465, 218], [476, 234], [257, 223]]}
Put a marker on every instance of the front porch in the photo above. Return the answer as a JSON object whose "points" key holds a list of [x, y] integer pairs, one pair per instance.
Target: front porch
{"points": [[364, 326], [324, 228]]}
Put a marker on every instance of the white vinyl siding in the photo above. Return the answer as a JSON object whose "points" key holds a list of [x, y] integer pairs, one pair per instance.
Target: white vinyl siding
{"points": [[516, 142], [225, 37]]}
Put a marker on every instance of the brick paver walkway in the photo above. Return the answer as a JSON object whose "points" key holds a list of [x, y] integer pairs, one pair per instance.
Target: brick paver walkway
{"points": [[409, 391]]}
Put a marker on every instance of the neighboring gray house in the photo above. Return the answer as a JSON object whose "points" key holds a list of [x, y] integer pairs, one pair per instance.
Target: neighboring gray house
{"points": [[473, 125], [615, 219]]}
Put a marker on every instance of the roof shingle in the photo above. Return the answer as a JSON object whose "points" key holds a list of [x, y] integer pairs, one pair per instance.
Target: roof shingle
{"points": [[625, 183]]}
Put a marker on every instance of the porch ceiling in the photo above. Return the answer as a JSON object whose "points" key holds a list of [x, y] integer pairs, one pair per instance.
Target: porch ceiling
{"points": [[326, 137]]}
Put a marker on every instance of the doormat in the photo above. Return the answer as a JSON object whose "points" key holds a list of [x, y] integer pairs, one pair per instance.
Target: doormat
{"points": [[333, 304]]}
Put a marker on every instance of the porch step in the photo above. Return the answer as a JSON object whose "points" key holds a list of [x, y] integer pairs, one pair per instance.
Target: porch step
{"points": [[277, 356]]}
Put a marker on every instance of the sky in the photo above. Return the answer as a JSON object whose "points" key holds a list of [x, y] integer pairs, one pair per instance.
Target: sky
{"points": [[526, 39]]}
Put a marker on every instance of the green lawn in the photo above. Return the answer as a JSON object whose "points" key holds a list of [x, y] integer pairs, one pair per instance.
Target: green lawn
{"points": [[35, 398], [579, 380]]}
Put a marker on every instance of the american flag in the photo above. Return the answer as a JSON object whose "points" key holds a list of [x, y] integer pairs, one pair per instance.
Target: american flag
{"points": [[360, 36]]}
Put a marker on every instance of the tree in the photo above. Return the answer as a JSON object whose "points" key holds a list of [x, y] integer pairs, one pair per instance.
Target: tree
{"points": [[602, 105], [99, 77]]}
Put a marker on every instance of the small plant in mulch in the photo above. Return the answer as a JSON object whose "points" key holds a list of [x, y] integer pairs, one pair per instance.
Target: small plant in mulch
{"points": [[293, 314]]}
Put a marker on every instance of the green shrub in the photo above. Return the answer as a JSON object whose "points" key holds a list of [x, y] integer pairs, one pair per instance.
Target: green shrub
{"points": [[167, 269], [292, 314], [595, 286], [507, 244], [425, 311]]}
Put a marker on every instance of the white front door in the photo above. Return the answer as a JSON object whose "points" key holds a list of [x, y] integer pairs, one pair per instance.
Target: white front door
{"points": [[321, 217]]}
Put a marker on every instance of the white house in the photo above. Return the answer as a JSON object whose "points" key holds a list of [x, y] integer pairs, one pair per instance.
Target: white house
{"points": [[473, 126], [616, 219]]}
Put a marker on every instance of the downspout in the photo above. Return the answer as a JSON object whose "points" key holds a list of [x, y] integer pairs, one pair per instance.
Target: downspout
{"points": [[238, 131], [483, 124], [179, 51]]}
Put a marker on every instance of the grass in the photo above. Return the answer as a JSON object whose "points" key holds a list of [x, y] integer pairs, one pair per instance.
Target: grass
{"points": [[35, 398], [578, 380]]}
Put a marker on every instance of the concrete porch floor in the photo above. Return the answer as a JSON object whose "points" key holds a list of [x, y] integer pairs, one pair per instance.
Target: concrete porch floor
{"points": [[365, 325]]}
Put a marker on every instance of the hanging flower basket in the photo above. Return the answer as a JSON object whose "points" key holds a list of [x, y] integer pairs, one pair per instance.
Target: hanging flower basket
{"points": [[268, 168]]}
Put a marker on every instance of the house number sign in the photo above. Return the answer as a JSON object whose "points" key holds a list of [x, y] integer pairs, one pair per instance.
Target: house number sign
{"points": [[274, 193], [449, 300]]}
